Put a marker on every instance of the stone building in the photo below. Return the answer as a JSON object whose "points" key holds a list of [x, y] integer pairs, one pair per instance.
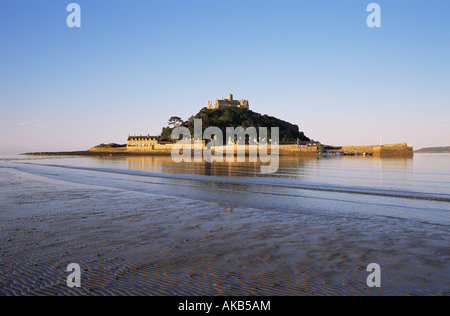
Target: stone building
{"points": [[142, 141], [228, 102]]}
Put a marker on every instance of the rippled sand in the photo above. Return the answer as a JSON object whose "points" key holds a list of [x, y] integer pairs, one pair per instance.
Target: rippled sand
{"points": [[132, 243]]}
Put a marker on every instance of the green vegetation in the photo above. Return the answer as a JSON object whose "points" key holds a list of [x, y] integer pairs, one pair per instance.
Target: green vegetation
{"points": [[110, 145], [444, 149], [235, 117]]}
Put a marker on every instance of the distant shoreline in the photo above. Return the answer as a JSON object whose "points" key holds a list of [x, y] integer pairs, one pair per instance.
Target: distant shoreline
{"points": [[93, 153], [434, 150]]}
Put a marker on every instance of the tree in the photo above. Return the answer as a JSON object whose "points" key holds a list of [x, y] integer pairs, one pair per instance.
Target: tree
{"points": [[175, 121]]}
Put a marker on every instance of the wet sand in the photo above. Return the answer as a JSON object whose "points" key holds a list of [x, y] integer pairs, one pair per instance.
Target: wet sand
{"points": [[133, 243]]}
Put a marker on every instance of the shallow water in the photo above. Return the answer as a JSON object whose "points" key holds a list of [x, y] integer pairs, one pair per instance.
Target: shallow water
{"points": [[417, 188]]}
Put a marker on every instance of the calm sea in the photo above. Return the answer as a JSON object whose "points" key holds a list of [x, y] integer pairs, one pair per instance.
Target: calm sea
{"points": [[417, 188]]}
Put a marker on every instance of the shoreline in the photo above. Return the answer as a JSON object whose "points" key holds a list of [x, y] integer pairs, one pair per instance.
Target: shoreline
{"points": [[401, 150], [94, 153]]}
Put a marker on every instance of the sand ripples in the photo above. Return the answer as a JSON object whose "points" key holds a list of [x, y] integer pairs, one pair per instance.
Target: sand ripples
{"points": [[131, 243]]}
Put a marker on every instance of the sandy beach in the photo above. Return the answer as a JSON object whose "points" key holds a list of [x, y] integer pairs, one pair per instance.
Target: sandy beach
{"points": [[134, 243]]}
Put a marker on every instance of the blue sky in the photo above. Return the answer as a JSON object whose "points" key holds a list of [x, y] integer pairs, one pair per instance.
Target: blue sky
{"points": [[135, 63]]}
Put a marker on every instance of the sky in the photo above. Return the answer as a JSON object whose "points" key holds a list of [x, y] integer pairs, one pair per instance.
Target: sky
{"points": [[135, 63]]}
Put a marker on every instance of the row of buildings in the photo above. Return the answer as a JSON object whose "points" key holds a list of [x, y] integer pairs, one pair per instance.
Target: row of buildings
{"points": [[143, 141]]}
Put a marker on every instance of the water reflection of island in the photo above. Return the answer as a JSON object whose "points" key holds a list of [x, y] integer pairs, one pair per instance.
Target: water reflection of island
{"points": [[165, 164], [289, 166]]}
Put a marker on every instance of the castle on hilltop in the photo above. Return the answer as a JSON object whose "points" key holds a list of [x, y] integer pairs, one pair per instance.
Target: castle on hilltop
{"points": [[229, 102]]}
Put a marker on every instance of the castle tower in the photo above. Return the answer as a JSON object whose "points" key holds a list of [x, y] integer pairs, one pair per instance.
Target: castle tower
{"points": [[229, 101]]}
